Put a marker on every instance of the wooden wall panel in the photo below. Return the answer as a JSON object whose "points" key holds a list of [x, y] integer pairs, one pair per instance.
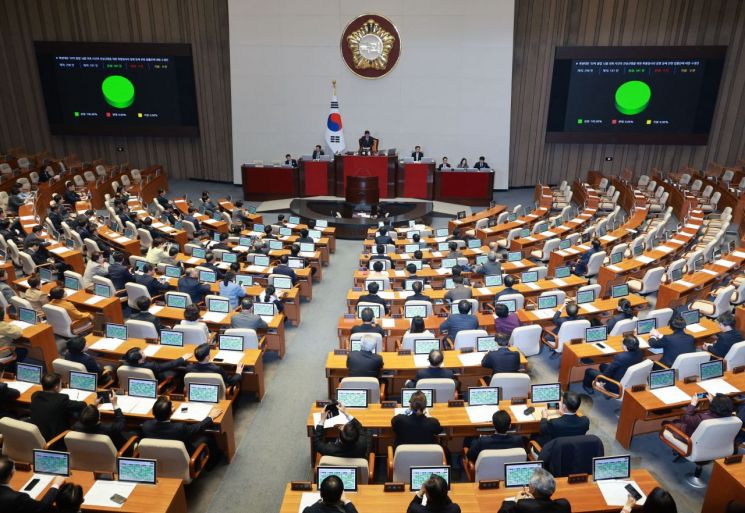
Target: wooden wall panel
{"points": [[203, 23], [542, 25]]}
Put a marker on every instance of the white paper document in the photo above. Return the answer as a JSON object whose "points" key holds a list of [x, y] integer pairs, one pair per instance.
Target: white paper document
{"points": [[93, 300], [308, 499], [606, 349], [615, 268], [339, 420], [214, 317], [724, 263], [615, 494], [121, 240], [533, 286], [589, 307], [572, 251], [128, 404], [388, 323], [608, 238], [21, 386], [644, 259], [193, 260], [441, 271], [76, 395], [400, 273], [59, 250], [546, 313], [485, 291], [695, 328], [665, 249], [21, 324], [151, 350], [717, 386], [517, 412], [471, 359], [480, 414], [421, 360], [106, 344], [231, 357], [155, 309], [559, 282], [194, 411], [256, 269], [436, 254], [44, 480], [738, 254], [671, 395], [101, 492], [683, 283], [709, 271]]}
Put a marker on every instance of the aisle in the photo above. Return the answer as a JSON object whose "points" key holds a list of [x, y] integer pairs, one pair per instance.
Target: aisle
{"points": [[275, 448]]}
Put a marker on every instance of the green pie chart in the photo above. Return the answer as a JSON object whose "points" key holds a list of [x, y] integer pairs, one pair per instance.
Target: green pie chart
{"points": [[118, 91], [632, 97]]}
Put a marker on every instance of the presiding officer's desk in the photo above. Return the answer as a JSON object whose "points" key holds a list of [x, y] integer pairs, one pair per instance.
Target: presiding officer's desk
{"points": [[572, 369], [730, 485], [643, 412], [166, 496], [252, 379], [397, 368], [584, 497]]}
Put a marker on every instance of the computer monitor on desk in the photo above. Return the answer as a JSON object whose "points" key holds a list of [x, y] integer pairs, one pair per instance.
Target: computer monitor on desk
{"points": [[406, 394]]}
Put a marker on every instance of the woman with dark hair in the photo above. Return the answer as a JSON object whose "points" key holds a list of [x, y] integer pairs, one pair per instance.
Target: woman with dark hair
{"points": [[463, 164], [720, 406], [658, 501], [624, 312], [270, 296], [436, 490], [231, 290], [69, 498]]}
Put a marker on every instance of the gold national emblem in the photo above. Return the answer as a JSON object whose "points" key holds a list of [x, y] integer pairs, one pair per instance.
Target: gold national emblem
{"points": [[371, 45]]}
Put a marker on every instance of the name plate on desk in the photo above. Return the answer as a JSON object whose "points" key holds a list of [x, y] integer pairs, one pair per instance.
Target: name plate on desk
{"points": [[731, 460], [577, 478], [488, 484], [341, 352], [301, 486], [456, 403], [394, 487]]}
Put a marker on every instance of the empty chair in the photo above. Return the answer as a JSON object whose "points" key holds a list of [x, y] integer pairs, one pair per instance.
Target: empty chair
{"points": [[64, 367], [518, 298], [141, 329], [173, 458], [412, 455], [489, 464], [662, 315], [527, 339], [595, 288], [512, 385], [735, 357], [444, 388], [623, 326], [696, 186], [467, 338], [542, 271], [21, 438], [512, 234], [649, 283], [193, 335], [136, 176], [687, 364], [134, 292], [594, 264], [718, 306], [250, 339], [146, 240], [426, 304], [375, 389], [561, 296], [94, 452], [569, 330]]}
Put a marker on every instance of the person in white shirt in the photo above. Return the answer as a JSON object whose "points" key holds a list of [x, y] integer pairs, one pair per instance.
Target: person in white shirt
{"points": [[158, 252], [96, 266]]}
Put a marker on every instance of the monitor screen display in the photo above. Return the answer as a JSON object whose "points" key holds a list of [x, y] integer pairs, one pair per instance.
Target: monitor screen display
{"points": [[218, 305], [244, 280], [691, 317], [352, 398], [712, 369], [142, 388], [483, 396], [519, 474], [176, 300], [265, 309], [52, 462], [229, 258], [72, 283], [545, 393], [282, 282], [529, 277], [546, 302], [348, 476], [411, 311], [203, 393], [83, 381], [27, 315], [99, 289], [484, 344], [307, 247], [620, 290], [661, 379], [261, 260], [377, 310], [426, 345], [514, 256], [207, 276], [406, 394], [419, 475], [645, 326], [230, 342], [585, 296], [198, 252], [511, 304], [613, 467], [493, 280], [562, 272], [171, 338], [28, 373], [116, 331], [173, 271], [596, 334], [136, 470]]}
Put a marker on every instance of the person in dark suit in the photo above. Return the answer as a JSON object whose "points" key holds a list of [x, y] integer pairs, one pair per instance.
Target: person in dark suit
{"points": [[503, 359], [624, 312], [382, 237], [460, 291], [304, 237], [677, 343], [580, 268], [481, 164], [444, 165], [317, 152], [202, 354], [509, 282], [368, 323], [568, 424], [191, 217], [417, 287], [162, 200], [435, 369], [143, 304], [616, 368], [414, 427], [538, 497], [90, 422], [136, 358], [727, 336], [190, 284], [162, 428], [365, 363], [332, 499], [499, 440], [119, 274], [435, 489], [51, 410], [373, 297], [209, 263], [354, 440], [289, 161], [284, 268], [7, 396], [417, 154], [56, 217], [147, 278], [491, 267], [69, 498], [366, 142], [463, 320], [506, 321], [12, 501], [76, 353], [572, 311], [70, 196]]}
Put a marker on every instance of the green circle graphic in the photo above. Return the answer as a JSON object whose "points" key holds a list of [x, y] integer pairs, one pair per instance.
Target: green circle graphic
{"points": [[118, 91], [632, 97]]}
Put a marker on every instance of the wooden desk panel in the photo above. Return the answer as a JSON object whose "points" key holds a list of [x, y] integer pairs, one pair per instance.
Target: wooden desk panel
{"points": [[730, 485]]}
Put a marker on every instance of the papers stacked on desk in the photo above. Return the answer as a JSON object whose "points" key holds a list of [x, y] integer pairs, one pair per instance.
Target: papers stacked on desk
{"points": [[477, 251], [589, 307], [135, 405], [93, 300], [59, 250], [442, 270], [215, 317], [738, 254], [683, 283], [725, 263], [231, 357], [75, 395], [44, 481], [485, 291], [121, 240], [559, 282], [695, 328], [545, 313], [517, 412], [107, 344], [404, 256], [421, 360], [21, 386], [255, 268], [308, 499], [194, 411], [480, 414], [644, 259], [21, 324], [101, 492], [388, 323], [471, 359], [615, 494], [607, 238], [709, 271], [307, 254], [151, 350], [671, 395], [717, 386]]}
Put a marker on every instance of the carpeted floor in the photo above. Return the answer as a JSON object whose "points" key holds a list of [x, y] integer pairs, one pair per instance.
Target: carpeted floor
{"points": [[273, 447]]}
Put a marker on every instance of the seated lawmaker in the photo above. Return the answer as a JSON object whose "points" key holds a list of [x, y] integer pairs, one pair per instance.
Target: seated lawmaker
{"points": [[720, 406], [503, 359], [333, 499], [499, 440], [51, 410], [615, 370], [191, 318], [368, 323], [435, 369], [491, 267], [246, 319], [625, 311], [506, 321], [90, 422], [135, 357], [435, 490], [143, 314], [509, 282], [284, 268], [366, 142], [230, 289], [417, 154], [373, 297], [572, 314], [148, 279], [538, 497], [658, 501], [727, 337], [202, 354], [380, 255], [413, 426], [444, 165], [677, 343], [454, 252], [189, 284], [481, 164], [460, 291], [317, 152], [191, 434], [580, 268], [417, 288], [76, 353], [463, 320], [56, 298], [568, 424], [417, 327], [12, 501], [119, 274], [365, 363], [34, 295], [354, 440], [289, 161], [382, 237]]}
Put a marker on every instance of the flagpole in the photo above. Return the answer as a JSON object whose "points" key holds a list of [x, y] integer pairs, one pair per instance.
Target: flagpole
{"points": [[333, 85]]}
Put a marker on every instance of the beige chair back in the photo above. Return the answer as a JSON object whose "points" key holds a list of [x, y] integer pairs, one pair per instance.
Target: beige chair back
{"points": [[20, 439], [415, 455], [91, 452]]}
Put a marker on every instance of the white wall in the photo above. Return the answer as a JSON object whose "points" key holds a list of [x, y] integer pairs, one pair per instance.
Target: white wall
{"points": [[450, 91]]}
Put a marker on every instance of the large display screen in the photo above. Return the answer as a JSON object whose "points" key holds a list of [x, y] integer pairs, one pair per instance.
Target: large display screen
{"points": [[118, 88], [635, 95]]}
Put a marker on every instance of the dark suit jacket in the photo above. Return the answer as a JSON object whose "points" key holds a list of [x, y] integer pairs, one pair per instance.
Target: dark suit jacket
{"points": [[364, 364], [419, 297], [114, 429], [367, 328], [558, 320], [51, 412], [481, 165], [620, 364], [417, 155], [615, 319], [154, 287], [415, 506], [536, 506], [359, 449], [415, 429], [287, 271], [457, 322], [373, 298], [119, 275], [91, 365], [495, 441], [724, 342], [291, 162], [501, 360], [581, 267], [159, 368], [194, 288], [19, 502], [383, 239], [7, 395], [320, 507], [366, 141], [566, 425], [504, 292], [434, 373], [317, 153], [217, 369], [180, 431], [147, 317], [677, 343]]}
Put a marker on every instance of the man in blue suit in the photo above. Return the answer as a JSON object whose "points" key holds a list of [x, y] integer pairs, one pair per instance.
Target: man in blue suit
{"points": [[677, 343], [616, 368], [728, 336], [190, 284], [460, 321], [119, 274], [580, 268]]}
